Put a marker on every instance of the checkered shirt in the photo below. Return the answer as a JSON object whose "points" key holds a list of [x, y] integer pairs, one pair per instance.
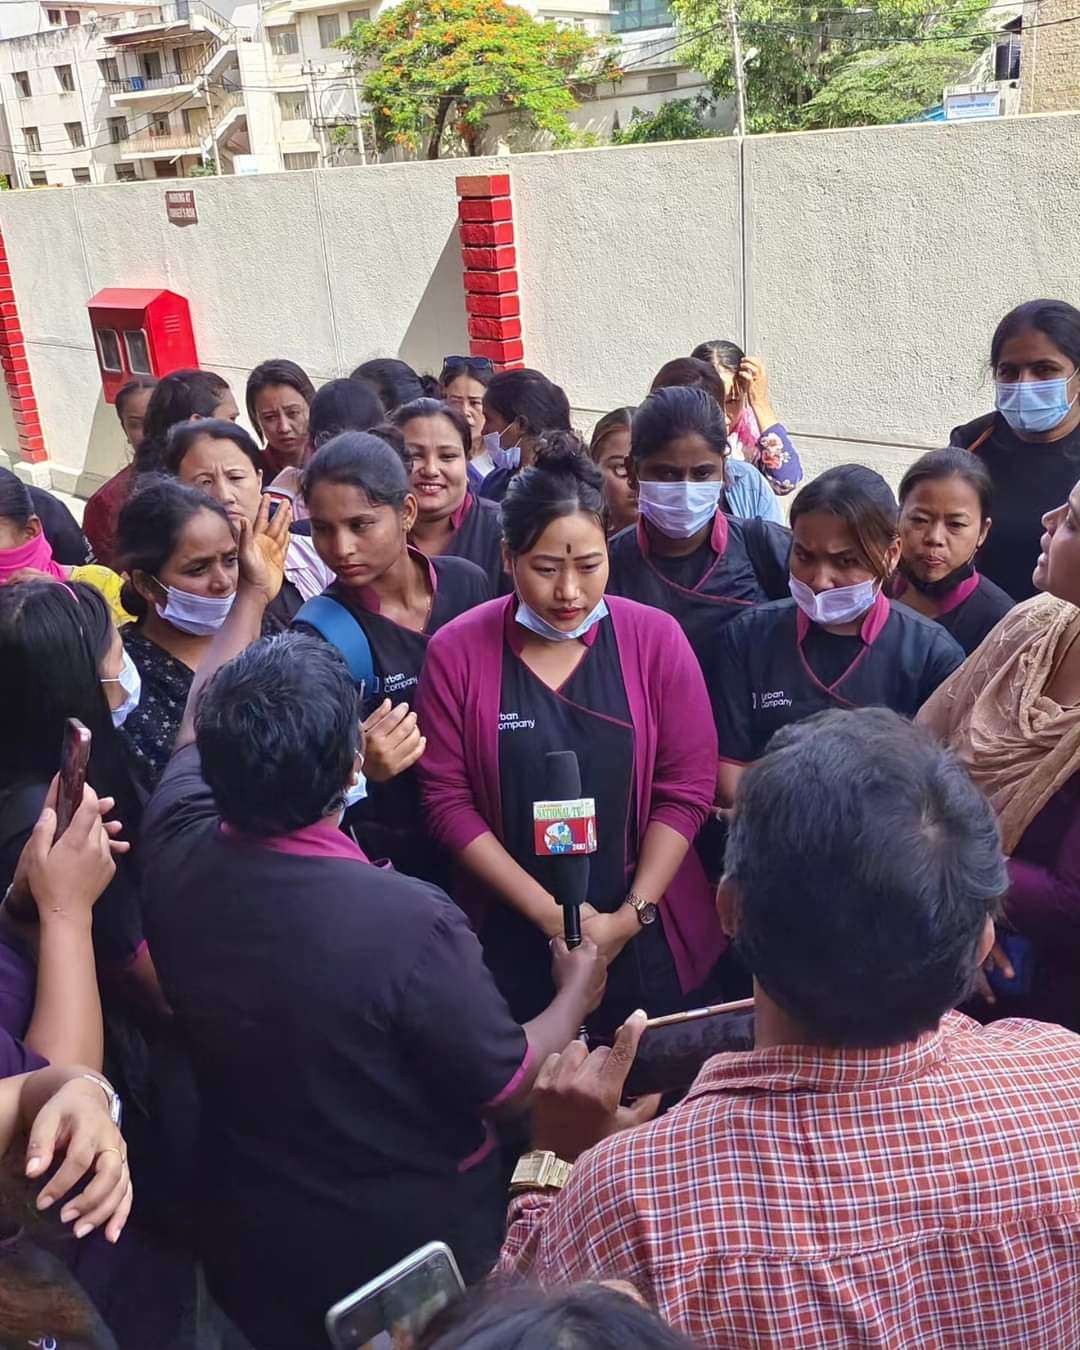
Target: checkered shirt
{"points": [[921, 1197]]}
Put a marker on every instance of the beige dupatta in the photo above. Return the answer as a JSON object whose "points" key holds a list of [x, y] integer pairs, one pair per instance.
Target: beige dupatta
{"points": [[1019, 746]]}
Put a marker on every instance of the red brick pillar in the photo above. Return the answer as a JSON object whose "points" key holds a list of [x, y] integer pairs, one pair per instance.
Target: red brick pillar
{"points": [[492, 300], [17, 370]]}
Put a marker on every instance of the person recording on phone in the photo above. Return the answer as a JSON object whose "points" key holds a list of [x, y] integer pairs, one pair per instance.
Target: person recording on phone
{"points": [[348, 1043], [877, 1162], [556, 666]]}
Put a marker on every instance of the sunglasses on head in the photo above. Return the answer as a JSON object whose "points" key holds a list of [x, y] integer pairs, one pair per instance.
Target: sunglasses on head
{"points": [[467, 363]]}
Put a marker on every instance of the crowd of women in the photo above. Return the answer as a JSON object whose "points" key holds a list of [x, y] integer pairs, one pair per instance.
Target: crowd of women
{"points": [[502, 589]]}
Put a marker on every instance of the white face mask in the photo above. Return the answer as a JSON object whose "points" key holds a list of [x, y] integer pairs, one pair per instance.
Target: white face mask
{"points": [[502, 458], [199, 615], [528, 618], [130, 681], [355, 792], [679, 510], [843, 604]]}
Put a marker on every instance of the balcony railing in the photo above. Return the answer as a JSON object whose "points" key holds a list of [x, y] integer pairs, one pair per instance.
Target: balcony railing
{"points": [[139, 84], [181, 140], [176, 11]]}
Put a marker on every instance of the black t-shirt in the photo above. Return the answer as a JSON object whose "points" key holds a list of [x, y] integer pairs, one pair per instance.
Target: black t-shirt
{"points": [[479, 539], [61, 529], [1030, 478], [345, 1036], [743, 563], [767, 670]]}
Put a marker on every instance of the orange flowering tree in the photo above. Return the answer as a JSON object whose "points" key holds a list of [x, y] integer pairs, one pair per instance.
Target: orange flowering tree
{"points": [[429, 68]]}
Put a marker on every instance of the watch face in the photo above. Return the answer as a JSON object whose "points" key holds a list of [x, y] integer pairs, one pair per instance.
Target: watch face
{"points": [[648, 913]]}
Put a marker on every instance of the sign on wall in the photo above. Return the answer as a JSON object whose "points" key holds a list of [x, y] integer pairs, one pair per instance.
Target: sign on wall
{"points": [[180, 208], [972, 105]]}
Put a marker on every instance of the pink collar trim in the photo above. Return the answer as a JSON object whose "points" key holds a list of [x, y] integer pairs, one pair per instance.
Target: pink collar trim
{"points": [[955, 598], [367, 598], [718, 540], [312, 841], [877, 616], [456, 517]]}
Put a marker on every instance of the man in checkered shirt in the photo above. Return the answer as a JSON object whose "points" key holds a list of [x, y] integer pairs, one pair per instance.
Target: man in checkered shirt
{"points": [[879, 1171]]}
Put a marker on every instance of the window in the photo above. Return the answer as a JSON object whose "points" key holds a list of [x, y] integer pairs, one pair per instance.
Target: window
{"points": [[54, 17], [33, 139], [38, 179], [634, 14], [306, 160], [284, 41], [72, 18], [159, 125], [293, 107], [356, 16], [66, 79], [110, 71], [662, 84], [81, 175], [118, 129], [152, 65], [22, 84], [125, 173], [109, 349], [75, 133], [137, 351], [329, 29]]}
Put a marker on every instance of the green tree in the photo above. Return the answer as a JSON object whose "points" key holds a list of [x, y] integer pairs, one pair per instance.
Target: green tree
{"points": [[792, 50], [893, 85], [682, 119], [431, 66]]}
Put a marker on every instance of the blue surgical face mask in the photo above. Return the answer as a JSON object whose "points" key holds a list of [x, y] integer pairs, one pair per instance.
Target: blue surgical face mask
{"points": [[1034, 405], [199, 615], [843, 604], [130, 681], [679, 510], [528, 618], [500, 457]]}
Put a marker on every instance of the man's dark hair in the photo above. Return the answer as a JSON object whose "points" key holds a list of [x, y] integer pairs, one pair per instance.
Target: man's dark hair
{"points": [[867, 863], [277, 730]]}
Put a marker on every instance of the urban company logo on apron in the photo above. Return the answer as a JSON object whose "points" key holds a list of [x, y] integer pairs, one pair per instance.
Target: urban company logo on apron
{"points": [[772, 698], [513, 721]]}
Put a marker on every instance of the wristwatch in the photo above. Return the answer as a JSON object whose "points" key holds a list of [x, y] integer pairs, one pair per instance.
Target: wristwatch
{"points": [[646, 911], [112, 1097], [540, 1170]]}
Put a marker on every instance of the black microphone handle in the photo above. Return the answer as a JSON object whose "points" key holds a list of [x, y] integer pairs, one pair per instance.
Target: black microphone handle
{"points": [[572, 925]]}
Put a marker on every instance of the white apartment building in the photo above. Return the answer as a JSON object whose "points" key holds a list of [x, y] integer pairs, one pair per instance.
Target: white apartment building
{"points": [[113, 92], [109, 91]]}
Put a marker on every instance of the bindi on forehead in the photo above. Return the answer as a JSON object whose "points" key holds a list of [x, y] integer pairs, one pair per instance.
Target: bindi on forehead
{"points": [[568, 550]]}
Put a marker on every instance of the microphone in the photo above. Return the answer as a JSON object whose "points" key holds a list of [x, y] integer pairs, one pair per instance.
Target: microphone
{"points": [[564, 829]]}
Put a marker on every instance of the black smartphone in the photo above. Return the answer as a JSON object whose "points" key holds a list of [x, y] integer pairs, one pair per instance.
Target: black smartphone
{"points": [[672, 1049], [392, 1310], [74, 757]]}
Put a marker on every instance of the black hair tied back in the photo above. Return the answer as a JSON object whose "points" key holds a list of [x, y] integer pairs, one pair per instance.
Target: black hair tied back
{"points": [[561, 481]]}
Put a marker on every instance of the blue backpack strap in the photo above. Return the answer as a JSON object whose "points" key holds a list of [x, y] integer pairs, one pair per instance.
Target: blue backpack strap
{"points": [[332, 620]]}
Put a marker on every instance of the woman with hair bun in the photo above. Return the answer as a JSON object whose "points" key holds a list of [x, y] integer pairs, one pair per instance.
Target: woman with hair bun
{"points": [[557, 665]]}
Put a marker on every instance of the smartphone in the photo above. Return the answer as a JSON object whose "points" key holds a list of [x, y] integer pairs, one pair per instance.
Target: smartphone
{"points": [[74, 758], [392, 1310], [1021, 952], [672, 1049]]}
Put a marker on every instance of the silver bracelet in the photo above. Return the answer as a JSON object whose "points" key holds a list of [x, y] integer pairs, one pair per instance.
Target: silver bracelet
{"points": [[112, 1097]]}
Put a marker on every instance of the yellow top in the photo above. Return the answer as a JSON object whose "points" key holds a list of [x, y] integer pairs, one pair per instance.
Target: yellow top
{"points": [[109, 583]]}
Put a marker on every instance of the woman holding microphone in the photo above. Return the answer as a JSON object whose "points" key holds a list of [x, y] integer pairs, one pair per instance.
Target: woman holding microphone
{"points": [[557, 666]]}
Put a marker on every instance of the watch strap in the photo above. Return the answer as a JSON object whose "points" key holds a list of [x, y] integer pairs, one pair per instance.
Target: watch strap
{"points": [[540, 1170]]}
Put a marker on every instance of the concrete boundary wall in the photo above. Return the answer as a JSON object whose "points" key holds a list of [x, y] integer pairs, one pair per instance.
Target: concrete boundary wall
{"points": [[868, 267]]}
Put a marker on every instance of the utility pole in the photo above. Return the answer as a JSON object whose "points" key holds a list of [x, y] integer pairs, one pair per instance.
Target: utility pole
{"points": [[740, 73]]}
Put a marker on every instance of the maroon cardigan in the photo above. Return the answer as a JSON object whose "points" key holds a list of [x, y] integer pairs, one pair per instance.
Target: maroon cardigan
{"points": [[675, 753]]}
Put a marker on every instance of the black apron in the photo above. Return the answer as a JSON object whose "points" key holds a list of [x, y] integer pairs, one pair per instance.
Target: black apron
{"points": [[389, 822], [590, 714], [478, 537], [775, 667], [742, 565]]}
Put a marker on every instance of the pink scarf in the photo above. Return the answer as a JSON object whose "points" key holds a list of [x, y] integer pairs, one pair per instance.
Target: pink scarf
{"points": [[743, 435], [36, 555]]}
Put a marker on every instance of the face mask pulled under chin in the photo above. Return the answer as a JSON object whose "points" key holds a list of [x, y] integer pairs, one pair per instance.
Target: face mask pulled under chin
{"points": [[937, 590], [679, 510], [843, 604], [355, 792], [199, 615], [528, 618]]}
